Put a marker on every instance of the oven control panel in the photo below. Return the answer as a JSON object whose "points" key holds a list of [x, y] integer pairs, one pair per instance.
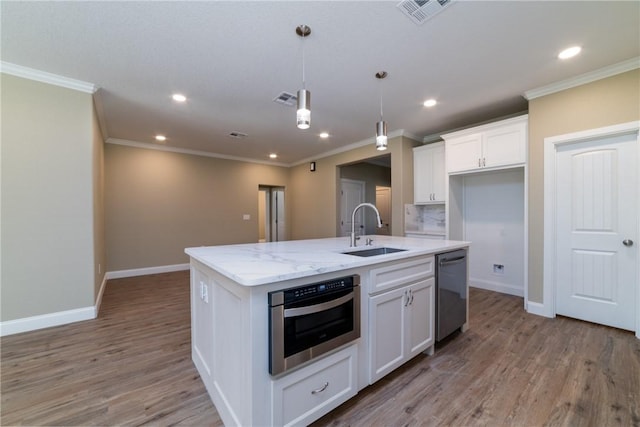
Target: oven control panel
{"points": [[315, 289]]}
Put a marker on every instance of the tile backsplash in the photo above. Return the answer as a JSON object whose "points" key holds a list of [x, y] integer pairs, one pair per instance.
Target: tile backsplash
{"points": [[424, 218]]}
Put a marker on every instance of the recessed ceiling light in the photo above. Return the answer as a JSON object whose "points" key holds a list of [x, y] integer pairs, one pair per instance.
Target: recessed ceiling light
{"points": [[569, 52], [273, 155], [178, 97], [430, 102], [324, 135], [161, 138]]}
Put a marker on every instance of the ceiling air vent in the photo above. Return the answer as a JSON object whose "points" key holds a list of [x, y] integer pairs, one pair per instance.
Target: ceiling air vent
{"points": [[238, 135], [421, 10], [286, 98]]}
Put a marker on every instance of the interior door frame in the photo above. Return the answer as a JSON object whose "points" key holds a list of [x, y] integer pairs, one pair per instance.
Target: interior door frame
{"points": [[551, 145]]}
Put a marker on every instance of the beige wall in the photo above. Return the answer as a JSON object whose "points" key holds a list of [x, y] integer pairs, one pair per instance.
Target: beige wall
{"points": [[47, 199], [315, 209], [99, 245], [602, 103], [158, 203]]}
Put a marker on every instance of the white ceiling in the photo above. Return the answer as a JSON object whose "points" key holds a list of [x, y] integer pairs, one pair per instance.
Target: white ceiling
{"points": [[232, 58]]}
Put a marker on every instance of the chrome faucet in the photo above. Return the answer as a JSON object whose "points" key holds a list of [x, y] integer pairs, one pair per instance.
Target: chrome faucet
{"points": [[352, 235]]}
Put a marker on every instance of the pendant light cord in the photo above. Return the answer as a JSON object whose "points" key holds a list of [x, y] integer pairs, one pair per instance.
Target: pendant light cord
{"points": [[380, 100], [304, 84]]}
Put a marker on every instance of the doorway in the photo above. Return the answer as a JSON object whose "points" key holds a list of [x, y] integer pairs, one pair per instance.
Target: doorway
{"points": [[372, 174], [591, 226], [383, 203], [351, 195], [271, 214]]}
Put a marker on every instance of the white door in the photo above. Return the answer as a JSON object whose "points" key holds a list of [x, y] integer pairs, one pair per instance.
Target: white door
{"points": [[277, 215], [596, 217], [351, 195], [383, 203]]}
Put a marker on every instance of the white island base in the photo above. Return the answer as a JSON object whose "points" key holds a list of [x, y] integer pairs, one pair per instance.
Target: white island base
{"points": [[230, 333]]}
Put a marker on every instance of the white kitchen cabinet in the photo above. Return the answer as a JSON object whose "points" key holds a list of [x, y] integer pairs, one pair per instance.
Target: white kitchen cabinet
{"points": [[429, 174], [401, 319], [306, 394], [493, 146]]}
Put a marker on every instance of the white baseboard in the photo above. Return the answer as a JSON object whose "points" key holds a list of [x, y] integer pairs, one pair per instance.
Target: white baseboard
{"points": [[497, 287], [42, 321], [103, 286], [538, 309], [11, 327], [119, 274]]}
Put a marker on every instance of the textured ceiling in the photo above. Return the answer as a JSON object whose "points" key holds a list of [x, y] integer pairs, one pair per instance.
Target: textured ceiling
{"points": [[232, 58]]}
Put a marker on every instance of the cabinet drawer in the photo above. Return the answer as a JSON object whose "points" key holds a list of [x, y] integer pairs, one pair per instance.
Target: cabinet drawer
{"points": [[305, 395], [400, 274]]}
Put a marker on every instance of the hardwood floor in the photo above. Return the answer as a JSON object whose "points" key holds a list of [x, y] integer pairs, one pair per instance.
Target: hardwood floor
{"points": [[132, 366]]}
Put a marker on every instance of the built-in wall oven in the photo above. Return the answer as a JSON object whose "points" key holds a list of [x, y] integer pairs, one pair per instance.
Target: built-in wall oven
{"points": [[307, 321]]}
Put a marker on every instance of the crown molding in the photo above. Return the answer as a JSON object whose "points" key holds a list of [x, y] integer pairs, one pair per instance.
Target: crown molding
{"points": [[150, 146], [363, 143], [44, 77], [602, 73]]}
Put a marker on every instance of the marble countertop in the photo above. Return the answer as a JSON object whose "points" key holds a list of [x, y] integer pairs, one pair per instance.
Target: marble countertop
{"points": [[256, 264]]}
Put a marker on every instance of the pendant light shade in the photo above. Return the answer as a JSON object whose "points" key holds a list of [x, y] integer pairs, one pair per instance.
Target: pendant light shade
{"points": [[303, 115], [381, 135], [381, 126]]}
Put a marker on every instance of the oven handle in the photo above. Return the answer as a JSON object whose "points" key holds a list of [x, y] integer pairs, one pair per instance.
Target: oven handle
{"points": [[452, 261], [301, 311]]}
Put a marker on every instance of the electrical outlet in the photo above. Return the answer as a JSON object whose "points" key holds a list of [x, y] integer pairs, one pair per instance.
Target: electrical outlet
{"points": [[204, 292], [498, 269]]}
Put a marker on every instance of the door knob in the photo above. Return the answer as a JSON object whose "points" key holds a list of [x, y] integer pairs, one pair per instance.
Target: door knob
{"points": [[627, 242]]}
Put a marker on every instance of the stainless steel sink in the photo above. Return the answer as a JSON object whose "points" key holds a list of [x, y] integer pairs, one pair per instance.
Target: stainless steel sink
{"points": [[374, 251]]}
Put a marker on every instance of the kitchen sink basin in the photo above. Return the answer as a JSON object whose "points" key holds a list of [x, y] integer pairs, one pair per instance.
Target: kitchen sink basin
{"points": [[374, 251]]}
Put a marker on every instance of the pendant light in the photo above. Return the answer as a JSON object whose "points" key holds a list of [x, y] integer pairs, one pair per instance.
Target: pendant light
{"points": [[381, 126], [303, 113]]}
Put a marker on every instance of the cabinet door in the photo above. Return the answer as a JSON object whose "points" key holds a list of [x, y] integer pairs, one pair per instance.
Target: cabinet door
{"points": [[201, 321], [421, 175], [386, 325], [505, 146], [420, 327], [438, 174], [464, 153]]}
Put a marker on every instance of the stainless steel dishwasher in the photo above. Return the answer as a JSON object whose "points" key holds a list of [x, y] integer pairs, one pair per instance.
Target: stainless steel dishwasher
{"points": [[451, 292]]}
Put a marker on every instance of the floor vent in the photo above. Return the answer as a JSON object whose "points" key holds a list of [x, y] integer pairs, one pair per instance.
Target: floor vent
{"points": [[286, 98], [422, 10], [238, 135]]}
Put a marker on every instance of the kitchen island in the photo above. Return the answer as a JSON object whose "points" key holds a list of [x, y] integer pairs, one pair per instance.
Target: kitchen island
{"points": [[230, 334]]}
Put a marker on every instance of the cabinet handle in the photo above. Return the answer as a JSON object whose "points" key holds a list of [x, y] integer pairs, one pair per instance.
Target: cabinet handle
{"points": [[411, 295], [321, 389], [484, 161], [406, 297], [479, 162]]}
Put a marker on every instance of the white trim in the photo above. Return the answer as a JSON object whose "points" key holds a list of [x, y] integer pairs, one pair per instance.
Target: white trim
{"points": [[44, 77], [603, 73], [538, 309], [151, 146], [551, 145], [119, 274], [103, 286], [33, 323], [99, 107], [363, 143], [496, 287]]}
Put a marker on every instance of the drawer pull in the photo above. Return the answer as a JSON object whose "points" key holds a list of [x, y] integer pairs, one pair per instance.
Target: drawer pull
{"points": [[321, 389]]}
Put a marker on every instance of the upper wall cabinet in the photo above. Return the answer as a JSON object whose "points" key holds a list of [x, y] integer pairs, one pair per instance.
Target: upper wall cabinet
{"points": [[428, 174], [493, 146]]}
